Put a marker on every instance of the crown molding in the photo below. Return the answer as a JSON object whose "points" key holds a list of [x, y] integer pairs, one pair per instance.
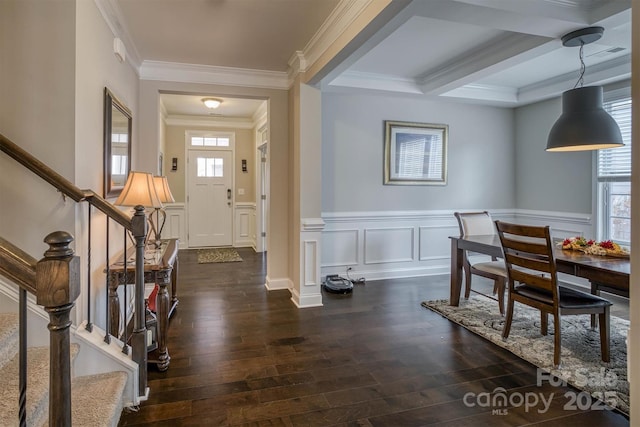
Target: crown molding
{"points": [[208, 74], [297, 64], [486, 94], [342, 16], [112, 15], [219, 122], [372, 81]]}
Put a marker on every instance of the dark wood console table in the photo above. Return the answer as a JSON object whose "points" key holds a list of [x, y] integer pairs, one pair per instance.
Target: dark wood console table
{"points": [[161, 268]]}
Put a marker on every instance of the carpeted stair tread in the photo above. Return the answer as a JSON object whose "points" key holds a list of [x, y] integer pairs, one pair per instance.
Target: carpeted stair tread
{"points": [[37, 387], [8, 337], [97, 399]]}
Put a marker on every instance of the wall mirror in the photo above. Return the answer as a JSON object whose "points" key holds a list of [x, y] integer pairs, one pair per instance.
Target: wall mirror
{"points": [[117, 144]]}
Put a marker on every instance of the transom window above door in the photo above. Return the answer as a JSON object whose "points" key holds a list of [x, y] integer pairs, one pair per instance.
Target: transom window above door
{"points": [[209, 141]]}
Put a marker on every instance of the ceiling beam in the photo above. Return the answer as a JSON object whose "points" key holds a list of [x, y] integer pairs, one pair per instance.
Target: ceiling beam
{"points": [[496, 55]]}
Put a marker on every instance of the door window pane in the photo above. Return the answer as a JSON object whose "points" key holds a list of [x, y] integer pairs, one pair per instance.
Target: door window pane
{"points": [[209, 167]]}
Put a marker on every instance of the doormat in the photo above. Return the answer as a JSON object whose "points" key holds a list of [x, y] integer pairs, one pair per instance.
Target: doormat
{"points": [[206, 256], [580, 363]]}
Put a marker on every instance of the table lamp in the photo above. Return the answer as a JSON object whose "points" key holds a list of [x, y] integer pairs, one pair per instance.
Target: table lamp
{"points": [[139, 190], [163, 191]]}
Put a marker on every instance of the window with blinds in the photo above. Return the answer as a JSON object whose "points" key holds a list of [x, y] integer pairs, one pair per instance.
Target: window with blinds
{"points": [[616, 162], [614, 179]]}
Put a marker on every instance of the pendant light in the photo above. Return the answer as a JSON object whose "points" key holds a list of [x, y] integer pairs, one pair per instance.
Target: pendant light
{"points": [[584, 124]]}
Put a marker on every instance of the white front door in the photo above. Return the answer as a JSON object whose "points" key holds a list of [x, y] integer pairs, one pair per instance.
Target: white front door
{"points": [[210, 198]]}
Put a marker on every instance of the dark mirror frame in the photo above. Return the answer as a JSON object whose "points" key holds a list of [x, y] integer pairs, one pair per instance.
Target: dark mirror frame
{"points": [[111, 104]]}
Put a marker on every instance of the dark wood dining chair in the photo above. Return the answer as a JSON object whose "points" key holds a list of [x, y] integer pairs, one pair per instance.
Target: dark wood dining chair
{"points": [[533, 281], [480, 223]]}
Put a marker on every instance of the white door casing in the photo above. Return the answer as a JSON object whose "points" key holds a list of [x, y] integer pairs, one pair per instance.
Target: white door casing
{"points": [[210, 197]]}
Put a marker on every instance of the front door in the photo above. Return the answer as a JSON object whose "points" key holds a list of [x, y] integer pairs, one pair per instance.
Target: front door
{"points": [[210, 198]]}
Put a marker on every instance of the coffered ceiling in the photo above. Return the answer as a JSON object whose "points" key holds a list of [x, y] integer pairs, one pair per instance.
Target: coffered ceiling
{"points": [[495, 52]]}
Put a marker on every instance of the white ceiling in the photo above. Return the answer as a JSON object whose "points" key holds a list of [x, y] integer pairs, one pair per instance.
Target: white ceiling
{"points": [[495, 52]]}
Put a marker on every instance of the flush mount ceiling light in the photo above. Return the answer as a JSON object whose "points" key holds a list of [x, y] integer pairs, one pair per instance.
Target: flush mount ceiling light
{"points": [[584, 124], [212, 102]]}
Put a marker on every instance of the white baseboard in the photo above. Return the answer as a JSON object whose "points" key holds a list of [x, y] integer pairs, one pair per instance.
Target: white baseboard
{"points": [[278, 284], [306, 301]]}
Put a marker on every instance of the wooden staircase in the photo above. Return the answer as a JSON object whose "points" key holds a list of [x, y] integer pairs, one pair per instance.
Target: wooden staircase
{"points": [[96, 400], [37, 385]]}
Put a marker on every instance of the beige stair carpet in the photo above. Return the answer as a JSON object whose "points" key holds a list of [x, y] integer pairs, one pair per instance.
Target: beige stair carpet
{"points": [[8, 337], [96, 399]]}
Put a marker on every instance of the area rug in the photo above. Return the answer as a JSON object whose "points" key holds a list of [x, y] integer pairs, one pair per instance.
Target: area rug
{"points": [[580, 364], [218, 255]]}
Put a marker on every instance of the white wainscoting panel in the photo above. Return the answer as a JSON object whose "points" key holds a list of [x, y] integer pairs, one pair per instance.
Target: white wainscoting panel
{"points": [[386, 245], [310, 263], [434, 241], [244, 225], [340, 248], [561, 224], [175, 226], [391, 244]]}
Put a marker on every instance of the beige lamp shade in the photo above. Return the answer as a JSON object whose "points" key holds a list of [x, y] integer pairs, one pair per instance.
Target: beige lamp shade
{"points": [[162, 189], [139, 190]]}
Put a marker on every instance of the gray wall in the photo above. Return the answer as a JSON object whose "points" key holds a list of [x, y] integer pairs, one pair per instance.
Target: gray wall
{"points": [[480, 159], [545, 181], [37, 88]]}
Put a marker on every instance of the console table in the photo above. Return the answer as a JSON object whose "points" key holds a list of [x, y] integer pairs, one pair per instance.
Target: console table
{"points": [[161, 268]]}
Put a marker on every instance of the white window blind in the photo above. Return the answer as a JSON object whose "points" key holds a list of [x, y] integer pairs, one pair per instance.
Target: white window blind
{"points": [[616, 162]]}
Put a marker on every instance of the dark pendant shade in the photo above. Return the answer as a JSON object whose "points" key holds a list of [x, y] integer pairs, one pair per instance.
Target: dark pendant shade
{"points": [[584, 125]]}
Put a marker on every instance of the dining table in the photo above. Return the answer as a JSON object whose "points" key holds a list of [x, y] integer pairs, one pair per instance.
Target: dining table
{"points": [[604, 273]]}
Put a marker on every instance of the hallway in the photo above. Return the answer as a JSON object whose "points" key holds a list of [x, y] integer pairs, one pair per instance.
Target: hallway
{"points": [[243, 356]]}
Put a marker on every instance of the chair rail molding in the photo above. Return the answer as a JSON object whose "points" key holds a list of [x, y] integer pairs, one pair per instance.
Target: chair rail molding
{"points": [[396, 244]]}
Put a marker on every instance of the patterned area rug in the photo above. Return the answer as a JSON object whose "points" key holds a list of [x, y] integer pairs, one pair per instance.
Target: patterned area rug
{"points": [[580, 364], [218, 255]]}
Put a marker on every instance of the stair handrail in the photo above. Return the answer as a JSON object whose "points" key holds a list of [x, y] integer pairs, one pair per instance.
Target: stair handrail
{"points": [[136, 224], [18, 266], [62, 184]]}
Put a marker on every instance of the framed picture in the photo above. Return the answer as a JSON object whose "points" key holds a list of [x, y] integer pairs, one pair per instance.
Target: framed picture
{"points": [[415, 153]]}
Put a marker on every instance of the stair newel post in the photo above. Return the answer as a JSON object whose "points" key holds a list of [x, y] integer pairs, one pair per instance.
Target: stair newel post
{"points": [[58, 286], [139, 335]]}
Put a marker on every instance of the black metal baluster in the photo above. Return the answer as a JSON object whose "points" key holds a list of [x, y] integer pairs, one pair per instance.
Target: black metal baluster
{"points": [[125, 347], [22, 316], [89, 324], [107, 335]]}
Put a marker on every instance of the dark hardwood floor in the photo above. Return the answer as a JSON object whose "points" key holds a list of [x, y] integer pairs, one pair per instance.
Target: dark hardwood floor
{"points": [[243, 356]]}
